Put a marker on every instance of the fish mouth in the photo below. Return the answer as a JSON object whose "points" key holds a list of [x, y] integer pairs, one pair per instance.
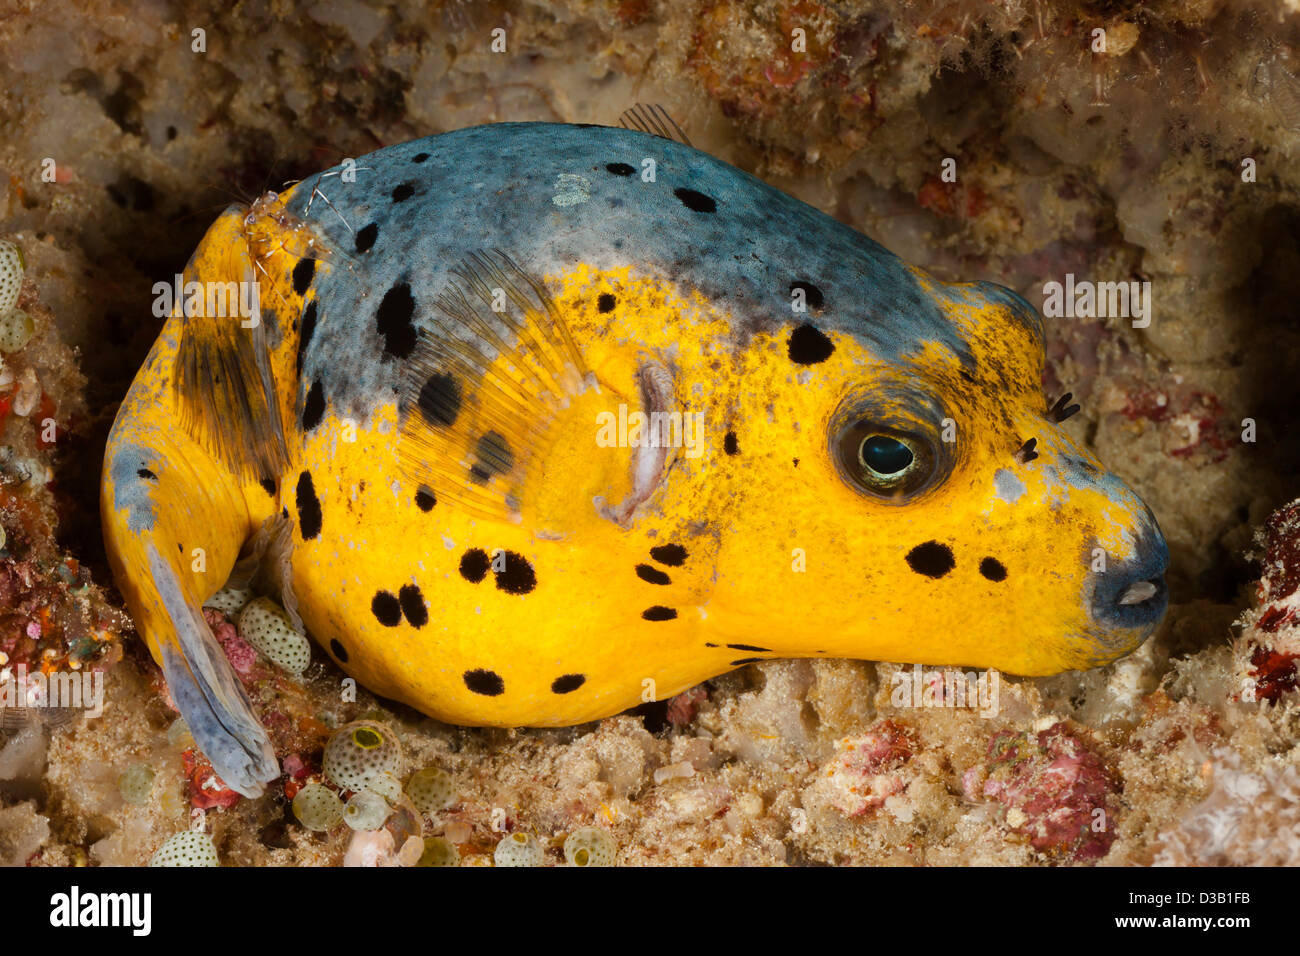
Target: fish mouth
{"points": [[1133, 595]]}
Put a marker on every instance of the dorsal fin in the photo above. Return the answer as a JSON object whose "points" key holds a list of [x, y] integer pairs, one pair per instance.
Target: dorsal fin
{"points": [[653, 119], [484, 383], [225, 392]]}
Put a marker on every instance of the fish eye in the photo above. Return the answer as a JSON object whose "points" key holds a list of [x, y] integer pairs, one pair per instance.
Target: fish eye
{"points": [[884, 461], [886, 457]]}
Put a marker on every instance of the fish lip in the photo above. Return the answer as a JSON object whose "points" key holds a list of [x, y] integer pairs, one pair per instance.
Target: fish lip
{"points": [[1149, 564]]}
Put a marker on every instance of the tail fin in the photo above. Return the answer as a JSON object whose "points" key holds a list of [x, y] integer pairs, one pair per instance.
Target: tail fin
{"points": [[174, 522], [205, 689]]}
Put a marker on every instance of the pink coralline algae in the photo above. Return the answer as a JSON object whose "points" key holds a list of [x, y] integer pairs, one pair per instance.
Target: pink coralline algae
{"points": [[242, 655], [1054, 790], [867, 770], [297, 774], [682, 708], [1199, 419], [1271, 631]]}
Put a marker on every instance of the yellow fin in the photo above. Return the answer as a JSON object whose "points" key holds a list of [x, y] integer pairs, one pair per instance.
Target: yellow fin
{"points": [[484, 383]]}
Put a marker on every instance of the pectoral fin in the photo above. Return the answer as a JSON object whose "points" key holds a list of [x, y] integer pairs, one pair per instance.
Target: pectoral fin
{"points": [[487, 380]]}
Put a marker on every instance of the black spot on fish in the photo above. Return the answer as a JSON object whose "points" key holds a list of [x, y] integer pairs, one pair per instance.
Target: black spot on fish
{"points": [[620, 169], [659, 613], [518, 576], [314, 408], [750, 647], [731, 444], [309, 516], [366, 237], [268, 485], [932, 559], [307, 331], [485, 682], [993, 569], [811, 294], [146, 473], [652, 575], [809, 346], [709, 644], [413, 606], [493, 458], [605, 303], [439, 399], [302, 275], [696, 202], [394, 321], [568, 683], [474, 565], [386, 608], [673, 555], [338, 650], [425, 500], [419, 157], [746, 660], [403, 192]]}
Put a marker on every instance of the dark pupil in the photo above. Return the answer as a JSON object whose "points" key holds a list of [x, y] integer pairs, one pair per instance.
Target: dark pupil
{"points": [[886, 456]]}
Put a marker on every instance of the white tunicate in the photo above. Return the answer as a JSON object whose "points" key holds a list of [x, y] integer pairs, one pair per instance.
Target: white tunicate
{"points": [[589, 846], [29, 386], [360, 754], [178, 734], [229, 600], [387, 786], [189, 848], [317, 807], [266, 626], [431, 790], [366, 810], [438, 851], [16, 330], [518, 849], [11, 275], [136, 783]]}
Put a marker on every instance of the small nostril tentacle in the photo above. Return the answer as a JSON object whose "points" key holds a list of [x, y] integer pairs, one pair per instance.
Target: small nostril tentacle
{"points": [[1138, 592]]}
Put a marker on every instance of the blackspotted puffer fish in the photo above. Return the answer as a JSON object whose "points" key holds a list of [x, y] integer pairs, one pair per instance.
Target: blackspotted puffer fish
{"points": [[535, 422]]}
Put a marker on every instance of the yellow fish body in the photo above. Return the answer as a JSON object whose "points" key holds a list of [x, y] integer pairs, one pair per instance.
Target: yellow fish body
{"points": [[536, 421]]}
